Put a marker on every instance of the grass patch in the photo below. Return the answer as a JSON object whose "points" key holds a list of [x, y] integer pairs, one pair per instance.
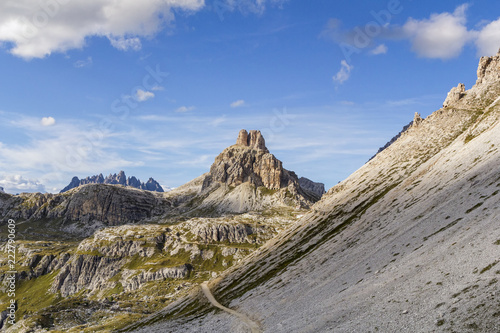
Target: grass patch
{"points": [[473, 208], [443, 228], [33, 295], [487, 268]]}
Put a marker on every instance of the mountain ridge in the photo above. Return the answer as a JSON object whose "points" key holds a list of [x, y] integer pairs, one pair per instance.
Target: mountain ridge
{"points": [[115, 179]]}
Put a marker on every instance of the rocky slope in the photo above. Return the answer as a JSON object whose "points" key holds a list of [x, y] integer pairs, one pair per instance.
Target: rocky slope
{"points": [[409, 242], [82, 210], [115, 179]]}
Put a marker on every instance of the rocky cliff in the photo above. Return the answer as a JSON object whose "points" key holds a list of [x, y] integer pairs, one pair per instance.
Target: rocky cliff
{"points": [[246, 176], [314, 187], [115, 179], [84, 209], [409, 242]]}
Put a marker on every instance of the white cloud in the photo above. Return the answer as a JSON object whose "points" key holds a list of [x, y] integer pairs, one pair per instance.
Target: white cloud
{"points": [[183, 109], [17, 184], [142, 95], [246, 6], [47, 121], [488, 39], [158, 88], [35, 29], [440, 36], [68, 149], [344, 73], [381, 49], [83, 63], [238, 103], [125, 44]]}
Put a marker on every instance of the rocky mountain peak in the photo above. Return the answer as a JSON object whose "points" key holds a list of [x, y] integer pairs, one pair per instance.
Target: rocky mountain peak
{"points": [[115, 179], [252, 139], [235, 166], [455, 94], [250, 162]]}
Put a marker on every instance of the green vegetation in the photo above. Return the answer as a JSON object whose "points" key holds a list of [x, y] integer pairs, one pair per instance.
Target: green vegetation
{"points": [[487, 268], [266, 191], [33, 295], [473, 208]]}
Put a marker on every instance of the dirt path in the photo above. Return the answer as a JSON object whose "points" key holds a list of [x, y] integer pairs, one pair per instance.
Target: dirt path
{"points": [[252, 325]]}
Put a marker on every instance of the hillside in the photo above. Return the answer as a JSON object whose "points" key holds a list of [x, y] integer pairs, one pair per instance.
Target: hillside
{"points": [[409, 242]]}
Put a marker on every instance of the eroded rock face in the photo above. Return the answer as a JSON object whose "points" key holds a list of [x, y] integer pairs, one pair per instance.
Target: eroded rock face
{"points": [[488, 69], [109, 205], [131, 280], [455, 94], [314, 187], [239, 164], [85, 271], [253, 139], [249, 163]]}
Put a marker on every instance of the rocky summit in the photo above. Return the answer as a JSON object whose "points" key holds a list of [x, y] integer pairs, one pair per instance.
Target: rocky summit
{"points": [[246, 176], [250, 161], [115, 179]]}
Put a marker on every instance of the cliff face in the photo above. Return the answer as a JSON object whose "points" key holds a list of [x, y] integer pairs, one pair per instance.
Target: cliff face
{"points": [[93, 205], [249, 161], [255, 178]]}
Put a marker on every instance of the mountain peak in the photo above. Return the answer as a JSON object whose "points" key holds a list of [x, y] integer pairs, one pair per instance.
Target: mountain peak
{"points": [[252, 139], [250, 163]]}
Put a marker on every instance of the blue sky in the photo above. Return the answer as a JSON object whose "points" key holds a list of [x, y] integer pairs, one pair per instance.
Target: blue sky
{"points": [[158, 88]]}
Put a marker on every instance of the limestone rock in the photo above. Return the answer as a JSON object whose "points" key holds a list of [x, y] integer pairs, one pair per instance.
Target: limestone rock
{"points": [[239, 164], [253, 139], [488, 68], [108, 205], [85, 271], [249, 163], [454, 95], [242, 139], [131, 280], [309, 185], [417, 119]]}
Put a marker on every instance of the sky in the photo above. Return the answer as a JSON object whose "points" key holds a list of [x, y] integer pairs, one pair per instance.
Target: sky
{"points": [[158, 88]]}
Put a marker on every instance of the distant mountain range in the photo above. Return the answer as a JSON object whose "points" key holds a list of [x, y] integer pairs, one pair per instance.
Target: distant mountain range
{"points": [[115, 179]]}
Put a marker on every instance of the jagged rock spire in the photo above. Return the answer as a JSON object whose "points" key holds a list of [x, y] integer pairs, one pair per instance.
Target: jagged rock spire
{"points": [[252, 139], [455, 94]]}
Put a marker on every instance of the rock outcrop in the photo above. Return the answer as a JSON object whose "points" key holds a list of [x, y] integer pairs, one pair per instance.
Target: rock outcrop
{"points": [[455, 94], [488, 69], [131, 280], [314, 187], [247, 166], [93, 205], [115, 179], [249, 161], [85, 272]]}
